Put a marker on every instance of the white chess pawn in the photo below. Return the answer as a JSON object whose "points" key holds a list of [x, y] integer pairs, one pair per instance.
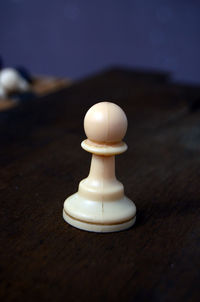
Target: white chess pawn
{"points": [[100, 204], [11, 81]]}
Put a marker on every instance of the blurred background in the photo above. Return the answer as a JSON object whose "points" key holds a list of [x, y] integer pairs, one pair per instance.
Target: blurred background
{"points": [[75, 38]]}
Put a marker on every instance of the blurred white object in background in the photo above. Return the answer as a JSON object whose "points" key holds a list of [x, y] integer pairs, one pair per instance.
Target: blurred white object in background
{"points": [[2, 92], [11, 81]]}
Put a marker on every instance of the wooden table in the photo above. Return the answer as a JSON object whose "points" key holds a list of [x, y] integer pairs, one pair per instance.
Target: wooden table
{"points": [[45, 259], [40, 86]]}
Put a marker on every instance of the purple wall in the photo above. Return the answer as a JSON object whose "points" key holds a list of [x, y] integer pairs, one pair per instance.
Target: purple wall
{"points": [[75, 38]]}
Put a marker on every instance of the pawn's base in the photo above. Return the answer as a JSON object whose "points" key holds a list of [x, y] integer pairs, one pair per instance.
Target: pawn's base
{"points": [[99, 228], [98, 216]]}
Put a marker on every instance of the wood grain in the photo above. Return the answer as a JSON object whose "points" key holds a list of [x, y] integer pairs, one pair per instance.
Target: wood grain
{"points": [[42, 257]]}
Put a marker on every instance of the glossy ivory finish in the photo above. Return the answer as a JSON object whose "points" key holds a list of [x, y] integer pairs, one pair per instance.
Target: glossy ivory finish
{"points": [[100, 204], [105, 122]]}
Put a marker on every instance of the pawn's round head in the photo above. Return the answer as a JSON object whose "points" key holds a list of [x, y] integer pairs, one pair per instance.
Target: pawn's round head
{"points": [[105, 122]]}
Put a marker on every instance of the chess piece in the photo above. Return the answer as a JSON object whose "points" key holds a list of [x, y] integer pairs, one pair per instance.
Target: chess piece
{"points": [[100, 204], [11, 82]]}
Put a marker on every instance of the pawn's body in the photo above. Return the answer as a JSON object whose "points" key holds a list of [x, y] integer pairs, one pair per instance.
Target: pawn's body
{"points": [[100, 204]]}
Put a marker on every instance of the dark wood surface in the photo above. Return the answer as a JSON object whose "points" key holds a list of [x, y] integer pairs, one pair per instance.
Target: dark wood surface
{"points": [[42, 257]]}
